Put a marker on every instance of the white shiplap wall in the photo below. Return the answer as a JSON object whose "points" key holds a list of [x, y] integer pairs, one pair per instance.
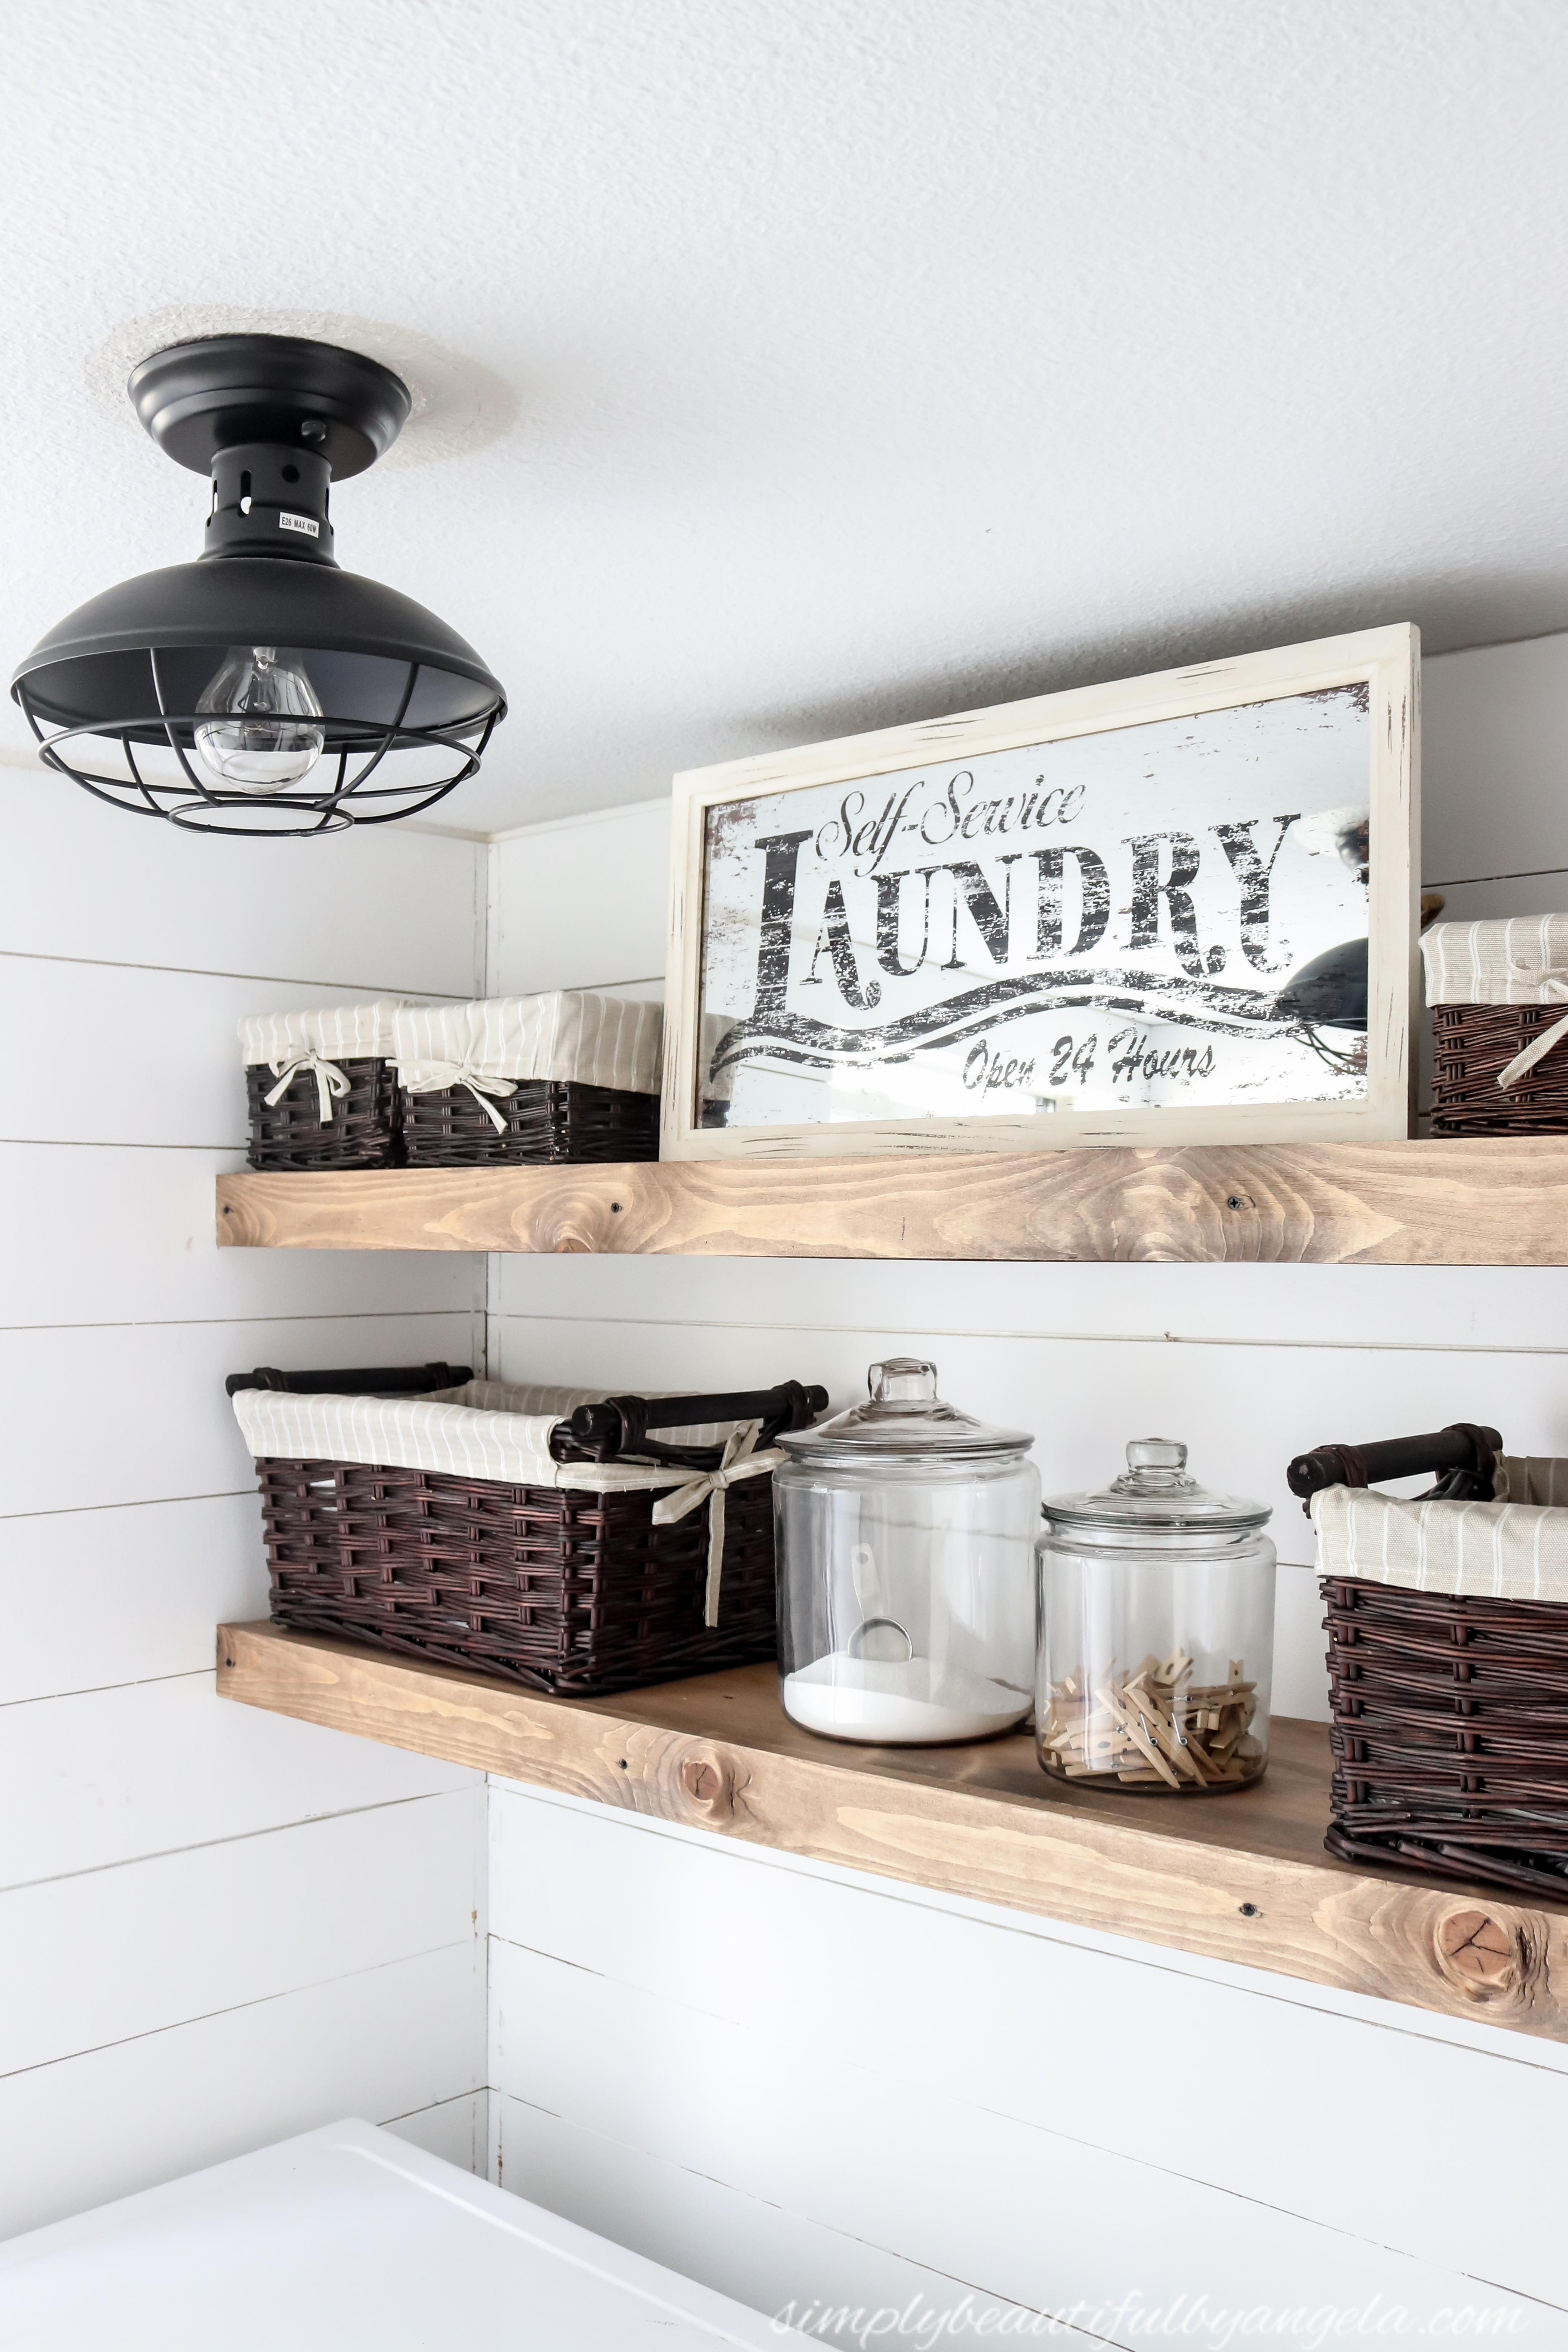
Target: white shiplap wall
{"points": [[216, 1926], [795, 2083]]}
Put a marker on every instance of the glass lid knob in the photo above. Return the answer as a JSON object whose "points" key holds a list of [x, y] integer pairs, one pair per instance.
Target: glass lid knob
{"points": [[1156, 1453], [903, 1380]]}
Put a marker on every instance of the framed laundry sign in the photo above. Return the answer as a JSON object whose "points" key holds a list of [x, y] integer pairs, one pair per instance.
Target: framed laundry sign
{"points": [[1180, 910]]}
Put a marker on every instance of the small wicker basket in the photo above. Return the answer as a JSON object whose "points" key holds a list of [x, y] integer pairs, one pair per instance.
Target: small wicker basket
{"points": [[539, 1534], [321, 1089], [545, 1122], [1447, 1624], [1498, 992], [528, 1080]]}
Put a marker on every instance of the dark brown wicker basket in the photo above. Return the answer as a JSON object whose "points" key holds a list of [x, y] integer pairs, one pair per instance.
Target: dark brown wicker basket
{"points": [[1471, 1044], [548, 1122], [1450, 1734], [565, 1589], [365, 1129]]}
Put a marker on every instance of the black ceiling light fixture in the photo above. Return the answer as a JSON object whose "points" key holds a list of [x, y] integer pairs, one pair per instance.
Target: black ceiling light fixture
{"points": [[260, 690]]}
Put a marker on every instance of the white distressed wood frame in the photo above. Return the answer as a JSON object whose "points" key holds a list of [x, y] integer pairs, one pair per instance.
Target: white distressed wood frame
{"points": [[1387, 659]]}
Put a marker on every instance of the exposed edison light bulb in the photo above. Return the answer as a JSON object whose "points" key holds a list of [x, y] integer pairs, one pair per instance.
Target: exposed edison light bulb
{"points": [[262, 735]]}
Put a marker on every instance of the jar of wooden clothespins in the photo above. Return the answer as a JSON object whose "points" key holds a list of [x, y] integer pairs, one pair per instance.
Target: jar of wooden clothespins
{"points": [[1156, 1633]]}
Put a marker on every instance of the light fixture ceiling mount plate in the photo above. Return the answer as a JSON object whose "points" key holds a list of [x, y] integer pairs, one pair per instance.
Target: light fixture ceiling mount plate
{"points": [[223, 390]]}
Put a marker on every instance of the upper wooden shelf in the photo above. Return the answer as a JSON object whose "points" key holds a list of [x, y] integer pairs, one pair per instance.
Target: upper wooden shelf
{"points": [[1421, 1203], [1241, 1877]]}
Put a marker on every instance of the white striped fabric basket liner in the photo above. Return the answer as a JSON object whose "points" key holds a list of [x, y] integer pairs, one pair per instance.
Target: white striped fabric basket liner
{"points": [[568, 1034], [487, 1429], [335, 1032], [1522, 960], [1514, 1548]]}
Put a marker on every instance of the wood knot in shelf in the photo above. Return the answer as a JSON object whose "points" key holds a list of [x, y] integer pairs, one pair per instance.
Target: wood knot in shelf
{"points": [[1489, 1957]]}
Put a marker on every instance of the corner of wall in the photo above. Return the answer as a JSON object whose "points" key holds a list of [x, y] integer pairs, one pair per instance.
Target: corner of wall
{"points": [[537, 886]]}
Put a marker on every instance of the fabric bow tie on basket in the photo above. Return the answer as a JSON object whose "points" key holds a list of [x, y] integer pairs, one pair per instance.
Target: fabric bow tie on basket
{"points": [[739, 1462], [331, 1083], [1553, 982], [432, 1077]]}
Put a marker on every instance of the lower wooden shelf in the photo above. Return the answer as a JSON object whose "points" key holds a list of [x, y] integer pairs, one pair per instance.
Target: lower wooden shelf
{"points": [[1502, 1201], [1242, 1877]]}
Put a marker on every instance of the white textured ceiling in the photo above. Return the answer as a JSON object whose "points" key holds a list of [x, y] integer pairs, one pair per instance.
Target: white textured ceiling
{"points": [[797, 365]]}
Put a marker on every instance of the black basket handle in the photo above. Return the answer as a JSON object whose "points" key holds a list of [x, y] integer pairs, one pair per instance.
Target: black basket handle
{"points": [[396, 1380], [594, 1432], [620, 1425], [1463, 1457]]}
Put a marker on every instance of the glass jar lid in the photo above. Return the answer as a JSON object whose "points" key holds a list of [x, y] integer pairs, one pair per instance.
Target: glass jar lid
{"points": [[902, 1420], [1154, 1491]]}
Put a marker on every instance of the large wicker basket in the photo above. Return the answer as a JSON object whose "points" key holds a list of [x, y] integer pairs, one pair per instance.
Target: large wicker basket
{"points": [[539, 1534], [1447, 1624], [320, 1088], [528, 1080], [1497, 992]]}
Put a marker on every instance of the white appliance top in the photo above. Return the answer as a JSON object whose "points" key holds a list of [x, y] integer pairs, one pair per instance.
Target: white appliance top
{"points": [[346, 2238]]}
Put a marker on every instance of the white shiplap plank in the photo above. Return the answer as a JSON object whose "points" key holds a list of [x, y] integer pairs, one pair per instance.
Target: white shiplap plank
{"points": [[153, 1768], [90, 1599], [1364, 2007], [386, 2042], [584, 904], [123, 1236], [161, 1423], [748, 2247], [1491, 759], [380, 909], [1296, 1306], [1511, 894], [1043, 2218], [95, 1054], [220, 1926], [1467, 2032], [1071, 2035]]}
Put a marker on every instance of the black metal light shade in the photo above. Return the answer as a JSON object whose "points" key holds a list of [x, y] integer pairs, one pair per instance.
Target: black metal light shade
{"points": [[400, 708]]}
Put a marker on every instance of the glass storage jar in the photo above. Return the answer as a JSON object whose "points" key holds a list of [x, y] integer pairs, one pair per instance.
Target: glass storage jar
{"points": [[906, 1536], [1156, 1632]]}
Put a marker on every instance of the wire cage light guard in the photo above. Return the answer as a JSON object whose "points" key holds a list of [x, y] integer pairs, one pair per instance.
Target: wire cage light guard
{"points": [[186, 799]]}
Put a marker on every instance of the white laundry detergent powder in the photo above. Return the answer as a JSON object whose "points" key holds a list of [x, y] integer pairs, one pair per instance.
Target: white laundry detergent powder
{"points": [[878, 1700]]}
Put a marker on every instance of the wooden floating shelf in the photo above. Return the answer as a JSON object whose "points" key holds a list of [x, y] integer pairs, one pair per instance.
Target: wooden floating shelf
{"points": [[1441, 1202], [1241, 1877]]}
